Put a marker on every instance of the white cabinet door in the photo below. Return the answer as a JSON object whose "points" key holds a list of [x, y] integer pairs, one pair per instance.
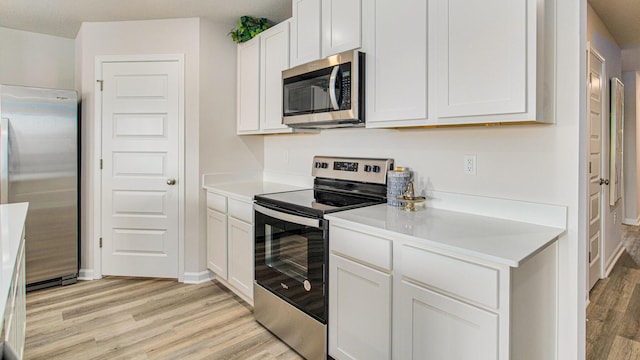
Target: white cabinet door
{"points": [[217, 243], [15, 316], [305, 31], [429, 325], [341, 26], [359, 311], [396, 65], [241, 263], [274, 58], [248, 102], [480, 57]]}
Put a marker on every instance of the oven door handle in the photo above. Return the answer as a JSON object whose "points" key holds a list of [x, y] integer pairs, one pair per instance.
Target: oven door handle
{"points": [[300, 220]]}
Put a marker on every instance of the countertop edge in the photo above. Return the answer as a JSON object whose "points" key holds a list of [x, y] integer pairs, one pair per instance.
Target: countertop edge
{"points": [[245, 191], [552, 236]]}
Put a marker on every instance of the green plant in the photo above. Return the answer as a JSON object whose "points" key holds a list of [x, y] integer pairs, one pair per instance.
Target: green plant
{"points": [[248, 27]]}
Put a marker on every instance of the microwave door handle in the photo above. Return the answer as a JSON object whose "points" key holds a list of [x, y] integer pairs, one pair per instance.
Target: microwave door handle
{"points": [[300, 220], [332, 87]]}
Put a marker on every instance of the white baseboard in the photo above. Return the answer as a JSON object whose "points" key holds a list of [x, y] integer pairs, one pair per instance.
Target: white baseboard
{"points": [[85, 274], [619, 251], [633, 222], [197, 277]]}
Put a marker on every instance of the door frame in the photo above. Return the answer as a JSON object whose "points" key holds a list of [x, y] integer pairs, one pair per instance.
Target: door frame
{"points": [[96, 171], [603, 161]]}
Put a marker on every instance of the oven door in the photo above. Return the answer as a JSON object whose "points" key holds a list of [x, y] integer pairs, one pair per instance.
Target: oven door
{"points": [[291, 253]]}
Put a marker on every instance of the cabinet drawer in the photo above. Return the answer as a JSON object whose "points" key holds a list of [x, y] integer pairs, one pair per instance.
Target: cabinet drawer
{"points": [[367, 248], [217, 202], [241, 210], [467, 280]]}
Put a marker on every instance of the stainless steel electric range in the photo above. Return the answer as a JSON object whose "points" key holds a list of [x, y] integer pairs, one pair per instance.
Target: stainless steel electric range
{"points": [[292, 245]]}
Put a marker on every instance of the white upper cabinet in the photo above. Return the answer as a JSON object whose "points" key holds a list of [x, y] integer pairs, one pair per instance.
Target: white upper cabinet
{"points": [[341, 26], [260, 64], [274, 47], [488, 61], [394, 39], [248, 90], [322, 28], [305, 31]]}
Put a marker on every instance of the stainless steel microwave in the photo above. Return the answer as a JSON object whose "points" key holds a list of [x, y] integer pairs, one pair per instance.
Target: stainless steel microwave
{"points": [[325, 93]]}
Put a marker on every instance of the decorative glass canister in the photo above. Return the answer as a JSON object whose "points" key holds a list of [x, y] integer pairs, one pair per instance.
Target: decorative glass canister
{"points": [[397, 182]]}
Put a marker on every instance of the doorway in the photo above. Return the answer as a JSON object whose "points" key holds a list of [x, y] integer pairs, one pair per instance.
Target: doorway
{"points": [[140, 112], [595, 103]]}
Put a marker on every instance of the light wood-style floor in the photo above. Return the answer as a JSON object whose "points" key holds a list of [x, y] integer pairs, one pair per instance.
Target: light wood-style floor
{"points": [[128, 318], [613, 314]]}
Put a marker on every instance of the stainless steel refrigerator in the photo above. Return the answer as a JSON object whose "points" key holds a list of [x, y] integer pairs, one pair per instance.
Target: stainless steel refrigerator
{"points": [[39, 165]]}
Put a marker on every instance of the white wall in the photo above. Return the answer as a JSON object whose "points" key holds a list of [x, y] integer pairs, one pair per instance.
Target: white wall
{"points": [[631, 151], [131, 38], [631, 59], [221, 150], [31, 59], [208, 103]]}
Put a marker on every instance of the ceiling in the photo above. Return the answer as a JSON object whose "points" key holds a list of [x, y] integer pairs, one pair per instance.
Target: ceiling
{"points": [[622, 18], [63, 17]]}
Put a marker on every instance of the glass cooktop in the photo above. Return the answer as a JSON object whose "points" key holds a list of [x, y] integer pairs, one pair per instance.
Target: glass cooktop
{"points": [[315, 202]]}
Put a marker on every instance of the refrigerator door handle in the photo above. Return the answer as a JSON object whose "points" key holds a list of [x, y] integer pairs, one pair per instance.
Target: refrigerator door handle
{"points": [[4, 160]]}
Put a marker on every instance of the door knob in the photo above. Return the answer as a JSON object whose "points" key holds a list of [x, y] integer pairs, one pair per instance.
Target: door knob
{"points": [[604, 181], [171, 182]]}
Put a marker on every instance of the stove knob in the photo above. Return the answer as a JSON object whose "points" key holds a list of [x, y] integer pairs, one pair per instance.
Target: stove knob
{"points": [[376, 168], [325, 165], [367, 168], [318, 165]]}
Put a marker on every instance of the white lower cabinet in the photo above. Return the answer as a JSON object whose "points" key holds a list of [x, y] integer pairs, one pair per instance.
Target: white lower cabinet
{"points": [[240, 252], [359, 312], [435, 326], [393, 298], [217, 242], [15, 315], [230, 243]]}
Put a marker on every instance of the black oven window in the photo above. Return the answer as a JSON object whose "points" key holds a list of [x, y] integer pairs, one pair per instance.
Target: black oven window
{"points": [[287, 252]]}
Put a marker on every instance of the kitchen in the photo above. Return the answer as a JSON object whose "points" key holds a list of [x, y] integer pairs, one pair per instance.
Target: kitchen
{"points": [[535, 163]]}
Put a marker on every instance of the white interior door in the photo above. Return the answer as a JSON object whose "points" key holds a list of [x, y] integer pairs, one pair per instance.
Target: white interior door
{"points": [[140, 140], [596, 92]]}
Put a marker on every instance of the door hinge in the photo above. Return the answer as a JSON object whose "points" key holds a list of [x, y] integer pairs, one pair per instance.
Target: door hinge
{"points": [[589, 257], [101, 84], [100, 164], [589, 167], [100, 243]]}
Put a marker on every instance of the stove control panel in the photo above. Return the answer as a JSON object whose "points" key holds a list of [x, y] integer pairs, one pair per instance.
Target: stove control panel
{"points": [[352, 169]]}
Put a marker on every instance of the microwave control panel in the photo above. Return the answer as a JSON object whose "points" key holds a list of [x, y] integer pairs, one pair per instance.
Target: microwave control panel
{"points": [[345, 84]]}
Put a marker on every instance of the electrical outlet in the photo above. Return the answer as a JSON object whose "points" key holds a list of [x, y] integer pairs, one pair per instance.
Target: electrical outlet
{"points": [[469, 164]]}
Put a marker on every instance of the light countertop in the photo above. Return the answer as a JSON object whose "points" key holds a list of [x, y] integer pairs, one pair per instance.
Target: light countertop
{"points": [[501, 241], [245, 191], [12, 218]]}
